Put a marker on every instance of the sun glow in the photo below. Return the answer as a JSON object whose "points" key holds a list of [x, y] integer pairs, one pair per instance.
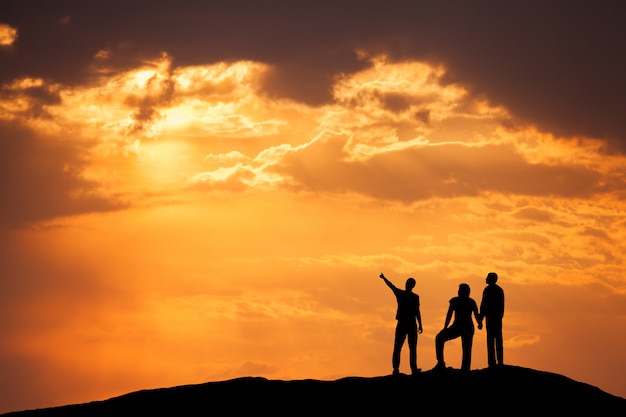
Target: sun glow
{"points": [[254, 228]]}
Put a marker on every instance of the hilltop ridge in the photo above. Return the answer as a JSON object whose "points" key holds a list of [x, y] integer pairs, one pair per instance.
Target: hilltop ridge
{"points": [[485, 392]]}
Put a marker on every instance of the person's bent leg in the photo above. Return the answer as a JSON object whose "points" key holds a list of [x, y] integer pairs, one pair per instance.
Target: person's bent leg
{"points": [[441, 338]]}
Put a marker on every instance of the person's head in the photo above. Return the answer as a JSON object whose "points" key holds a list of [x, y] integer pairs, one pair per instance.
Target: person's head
{"points": [[464, 290], [492, 278], [410, 284]]}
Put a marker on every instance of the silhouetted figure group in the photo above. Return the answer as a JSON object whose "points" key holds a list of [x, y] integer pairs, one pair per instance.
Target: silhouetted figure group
{"points": [[462, 307]]}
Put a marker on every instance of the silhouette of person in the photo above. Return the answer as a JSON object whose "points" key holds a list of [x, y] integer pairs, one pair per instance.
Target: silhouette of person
{"points": [[462, 306], [407, 314], [492, 309]]}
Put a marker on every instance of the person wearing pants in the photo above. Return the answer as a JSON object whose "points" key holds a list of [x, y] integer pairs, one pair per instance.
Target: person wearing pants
{"points": [[462, 307]]}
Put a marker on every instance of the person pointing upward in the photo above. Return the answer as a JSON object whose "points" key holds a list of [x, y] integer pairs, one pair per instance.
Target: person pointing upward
{"points": [[409, 323]]}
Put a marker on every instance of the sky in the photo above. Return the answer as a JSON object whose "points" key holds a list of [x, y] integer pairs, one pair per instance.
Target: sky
{"points": [[197, 191]]}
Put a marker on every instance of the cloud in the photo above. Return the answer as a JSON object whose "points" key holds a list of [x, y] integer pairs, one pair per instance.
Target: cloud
{"points": [[596, 233], [8, 35], [29, 97], [249, 368], [41, 178], [562, 78], [522, 340], [534, 215], [396, 131], [363, 144], [235, 178], [531, 57], [417, 173]]}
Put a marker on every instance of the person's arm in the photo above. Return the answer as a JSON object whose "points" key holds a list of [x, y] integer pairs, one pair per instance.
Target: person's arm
{"points": [[419, 320], [389, 284], [448, 317], [481, 312], [479, 317]]}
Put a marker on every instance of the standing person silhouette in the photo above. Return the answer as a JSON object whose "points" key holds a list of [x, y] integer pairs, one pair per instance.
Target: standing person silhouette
{"points": [[492, 309], [462, 306], [407, 314]]}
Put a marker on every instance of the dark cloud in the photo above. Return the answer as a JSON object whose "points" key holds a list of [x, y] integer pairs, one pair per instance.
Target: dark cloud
{"points": [[37, 97], [155, 93], [556, 64], [40, 179], [596, 233], [534, 215]]}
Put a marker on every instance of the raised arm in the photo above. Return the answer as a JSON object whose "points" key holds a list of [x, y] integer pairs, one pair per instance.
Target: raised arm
{"points": [[389, 283]]}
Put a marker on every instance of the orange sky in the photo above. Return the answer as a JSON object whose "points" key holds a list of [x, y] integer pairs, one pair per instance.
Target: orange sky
{"points": [[174, 223]]}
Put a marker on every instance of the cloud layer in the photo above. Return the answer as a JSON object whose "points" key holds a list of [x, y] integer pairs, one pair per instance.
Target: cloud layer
{"points": [[204, 190], [557, 65]]}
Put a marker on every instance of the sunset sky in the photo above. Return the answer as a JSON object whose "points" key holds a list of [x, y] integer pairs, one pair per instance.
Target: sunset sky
{"points": [[196, 191]]}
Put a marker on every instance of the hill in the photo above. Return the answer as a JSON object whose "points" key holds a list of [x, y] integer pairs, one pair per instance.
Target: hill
{"points": [[485, 392]]}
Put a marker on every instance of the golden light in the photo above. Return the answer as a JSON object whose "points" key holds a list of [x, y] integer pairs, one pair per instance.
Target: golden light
{"points": [[254, 222], [8, 35]]}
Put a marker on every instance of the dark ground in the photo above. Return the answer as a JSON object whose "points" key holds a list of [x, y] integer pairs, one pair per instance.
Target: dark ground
{"points": [[508, 390]]}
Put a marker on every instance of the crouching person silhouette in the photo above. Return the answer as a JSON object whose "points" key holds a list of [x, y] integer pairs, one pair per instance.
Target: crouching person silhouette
{"points": [[407, 314], [462, 307]]}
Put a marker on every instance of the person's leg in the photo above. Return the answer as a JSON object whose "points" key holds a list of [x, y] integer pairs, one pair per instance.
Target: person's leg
{"points": [[499, 346], [491, 357], [495, 352], [439, 341], [412, 338], [441, 338], [397, 348], [466, 342]]}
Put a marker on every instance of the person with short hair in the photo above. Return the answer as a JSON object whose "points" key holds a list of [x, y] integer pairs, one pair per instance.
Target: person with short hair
{"points": [[492, 309], [409, 323]]}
